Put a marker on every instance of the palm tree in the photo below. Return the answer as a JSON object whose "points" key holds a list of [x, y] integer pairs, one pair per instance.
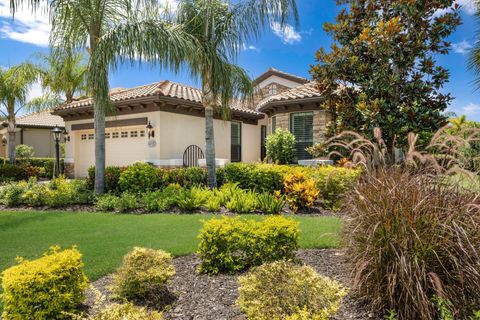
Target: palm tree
{"points": [[113, 32], [15, 83], [63, 73], [474, 59], [222, 28]]}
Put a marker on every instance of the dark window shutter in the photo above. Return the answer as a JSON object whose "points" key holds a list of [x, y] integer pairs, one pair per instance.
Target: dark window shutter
{"points": [[236, 142], [301, 125], [274, 124]]}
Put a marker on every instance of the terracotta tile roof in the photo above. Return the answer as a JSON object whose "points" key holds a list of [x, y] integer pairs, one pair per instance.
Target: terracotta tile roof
{"points": [[40, 119], [273, 71], [305, 91], [164, 88]]}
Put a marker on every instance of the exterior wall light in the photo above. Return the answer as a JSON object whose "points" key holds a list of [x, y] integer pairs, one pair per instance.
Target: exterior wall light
{"points": [[4, 141], [66, 135], [150, 131]]}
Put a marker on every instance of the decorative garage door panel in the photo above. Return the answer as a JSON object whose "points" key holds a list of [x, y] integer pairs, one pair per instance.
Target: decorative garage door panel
{"points": [[123, 146]]}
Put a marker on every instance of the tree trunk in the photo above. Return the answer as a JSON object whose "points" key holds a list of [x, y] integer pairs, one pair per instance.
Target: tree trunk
{"points": [[208, 103], [11, 136], [99, 124]]}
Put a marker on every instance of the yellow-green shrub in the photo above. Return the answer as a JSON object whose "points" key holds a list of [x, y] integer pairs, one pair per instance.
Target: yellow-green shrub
{"points": [[126, 311], [44, 288], [333, 183], [142, 272], [282, 290], [300, 191], [230, 245]]}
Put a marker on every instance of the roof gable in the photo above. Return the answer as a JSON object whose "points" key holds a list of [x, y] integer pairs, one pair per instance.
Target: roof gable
{"points": [[275, 72]]}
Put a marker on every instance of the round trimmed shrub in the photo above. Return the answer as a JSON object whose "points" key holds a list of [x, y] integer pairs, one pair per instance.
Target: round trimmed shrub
{"points": [[143, 272], [138, 178], [281, 146], [282, 290]]}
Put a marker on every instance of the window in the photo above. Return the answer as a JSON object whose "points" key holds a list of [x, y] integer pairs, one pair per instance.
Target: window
{"points": [[263, 138], [133, 134], [301, 125], [124, 134], [84, 137], [142, 133], [274, 123], [91, 136], [114, 135], [107, 135], [272, 90], [236, 142]]}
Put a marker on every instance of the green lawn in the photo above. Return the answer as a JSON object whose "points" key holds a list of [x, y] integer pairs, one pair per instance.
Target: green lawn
{"points": [[105, 238]]}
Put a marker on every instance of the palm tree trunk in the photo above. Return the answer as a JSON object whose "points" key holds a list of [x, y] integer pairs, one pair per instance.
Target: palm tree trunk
{"points": [[11, 136], [99, 124], [208, 103]]}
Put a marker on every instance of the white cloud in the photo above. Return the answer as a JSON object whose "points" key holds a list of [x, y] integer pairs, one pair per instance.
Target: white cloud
{"points": [[471, 110], [287, 33], [462, 47], [26, 27], [35, 91], [467, 6], [250, 48]]}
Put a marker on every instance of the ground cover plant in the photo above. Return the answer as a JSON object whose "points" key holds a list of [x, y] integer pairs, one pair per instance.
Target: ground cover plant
{"points": [[104, 239]]}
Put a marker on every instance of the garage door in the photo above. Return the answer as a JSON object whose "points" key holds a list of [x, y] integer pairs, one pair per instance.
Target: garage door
{"points": [[123, 146]]}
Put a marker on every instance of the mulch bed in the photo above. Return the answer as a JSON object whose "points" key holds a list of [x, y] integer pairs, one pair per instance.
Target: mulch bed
{"points": [[198, 296]]}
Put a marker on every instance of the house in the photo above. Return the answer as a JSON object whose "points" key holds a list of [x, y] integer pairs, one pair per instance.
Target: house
{"points": [[163, 123], [34, 129]]}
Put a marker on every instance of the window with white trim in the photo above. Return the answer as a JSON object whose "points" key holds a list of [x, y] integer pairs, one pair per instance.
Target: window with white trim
{"points": [[133, 134], [84, 136], [114, 135], [107, 135], [124, 134], [91, 136]]}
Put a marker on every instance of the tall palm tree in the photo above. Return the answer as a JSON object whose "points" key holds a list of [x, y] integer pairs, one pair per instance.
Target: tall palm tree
{"points": [[64, 74], [113, 32], [15, 83], [222, 28]]}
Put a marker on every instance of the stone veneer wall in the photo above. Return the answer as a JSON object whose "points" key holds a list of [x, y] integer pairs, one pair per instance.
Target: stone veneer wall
{"points": [[265, 92], [69, 170], [320, 121]]}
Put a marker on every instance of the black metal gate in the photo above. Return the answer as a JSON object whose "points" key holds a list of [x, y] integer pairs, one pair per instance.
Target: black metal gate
{"points": [[191, 156]]}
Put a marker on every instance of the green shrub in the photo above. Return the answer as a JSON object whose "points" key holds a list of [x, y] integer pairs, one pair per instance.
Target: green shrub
{"points": [[112, 177], [409, 238], [139, 177], [282, 290], [242, 202], [192, 199], [185, 177], [333, 183], [106, 202], [44, 288], [213, 203], [24, 152], [281, 146], [300, 191], [143, 272], [126, 202], [230, 245], [11, 193], [271, 203], [126, 311], [35, 195], [155, 201]]}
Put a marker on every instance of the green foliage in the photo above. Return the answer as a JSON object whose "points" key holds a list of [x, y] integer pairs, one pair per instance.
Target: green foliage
{"points": [[62, 193], [242, 201], [44, 288], [230, 245], [185, 177], [281, 290], [333, 183], [106, 202], [281, 146], [213, 203], [271, 204], [381, 70], [24, 152], [126, 202], [191, 199], [155, 201], [143, 272], [35, 195], [11, 193], [300, 191], [411, 237], [124, 311], [139, 177], [112, 177], [258, 177]]}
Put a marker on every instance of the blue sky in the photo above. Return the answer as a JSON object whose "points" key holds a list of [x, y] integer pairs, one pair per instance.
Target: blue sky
{"points": [[291, 50]]}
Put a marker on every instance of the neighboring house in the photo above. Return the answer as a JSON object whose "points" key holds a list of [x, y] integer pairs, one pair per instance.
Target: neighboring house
{"points": [[157, 123], [34, 130]]}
